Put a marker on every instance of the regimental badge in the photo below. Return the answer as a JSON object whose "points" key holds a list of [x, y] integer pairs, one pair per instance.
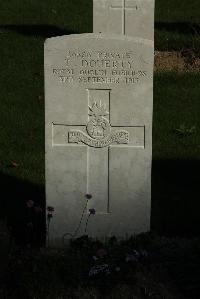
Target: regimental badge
{"points": [[98, 126], [98, 130]]}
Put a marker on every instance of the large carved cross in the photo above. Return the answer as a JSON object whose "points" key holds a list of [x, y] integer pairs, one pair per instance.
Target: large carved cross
{"points": [[100, 136]]}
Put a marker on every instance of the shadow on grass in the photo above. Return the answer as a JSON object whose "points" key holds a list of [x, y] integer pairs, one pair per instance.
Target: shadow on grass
{"points": [[52, 30], [181, 27], [175, 202], [175, 197], [27, 225], [37, 30]]}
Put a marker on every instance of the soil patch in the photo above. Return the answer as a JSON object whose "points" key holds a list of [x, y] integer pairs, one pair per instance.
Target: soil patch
{"points": [[179, 61]]}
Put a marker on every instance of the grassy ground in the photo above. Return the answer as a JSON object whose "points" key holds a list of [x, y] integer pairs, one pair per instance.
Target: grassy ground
{"points": [[176, 120], [168, 38], [177, 25], [159, 268], [75, 16], [22, 106], [179, 11]]}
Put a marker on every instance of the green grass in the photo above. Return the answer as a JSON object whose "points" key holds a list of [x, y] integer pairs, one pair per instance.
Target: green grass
{"points": [[168, 40], [176, 104], [22, 106], [177, 25], [177, 11], [73, 15]]}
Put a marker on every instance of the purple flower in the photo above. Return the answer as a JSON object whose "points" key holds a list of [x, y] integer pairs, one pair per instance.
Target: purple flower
{"points": [[30, 203], [92, 211], [50, 209]]}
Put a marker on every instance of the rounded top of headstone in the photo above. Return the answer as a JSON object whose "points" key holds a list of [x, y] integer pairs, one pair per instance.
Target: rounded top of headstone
{"points": [[98, 36]]}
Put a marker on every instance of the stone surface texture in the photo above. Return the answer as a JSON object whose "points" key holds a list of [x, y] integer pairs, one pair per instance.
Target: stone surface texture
{"points": [[98, 118], [127, 17]]}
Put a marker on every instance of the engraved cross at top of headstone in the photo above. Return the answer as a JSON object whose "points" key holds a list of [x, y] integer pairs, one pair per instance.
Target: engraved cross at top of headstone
{"points": [[100, 136], [123, 7]]}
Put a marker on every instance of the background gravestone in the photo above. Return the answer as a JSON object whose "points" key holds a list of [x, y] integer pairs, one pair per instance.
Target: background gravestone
{"points": [[99, 91], [128, 17]]}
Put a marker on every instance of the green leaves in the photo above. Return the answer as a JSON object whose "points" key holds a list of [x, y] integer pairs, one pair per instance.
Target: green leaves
{"points": [[183, 130]]}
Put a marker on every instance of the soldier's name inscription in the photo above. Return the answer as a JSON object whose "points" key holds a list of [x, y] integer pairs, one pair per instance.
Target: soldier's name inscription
{"points": [[100, 67]]}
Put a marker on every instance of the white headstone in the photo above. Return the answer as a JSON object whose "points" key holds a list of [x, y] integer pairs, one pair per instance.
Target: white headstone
{"points": [[127, 17], [98, 103]]}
